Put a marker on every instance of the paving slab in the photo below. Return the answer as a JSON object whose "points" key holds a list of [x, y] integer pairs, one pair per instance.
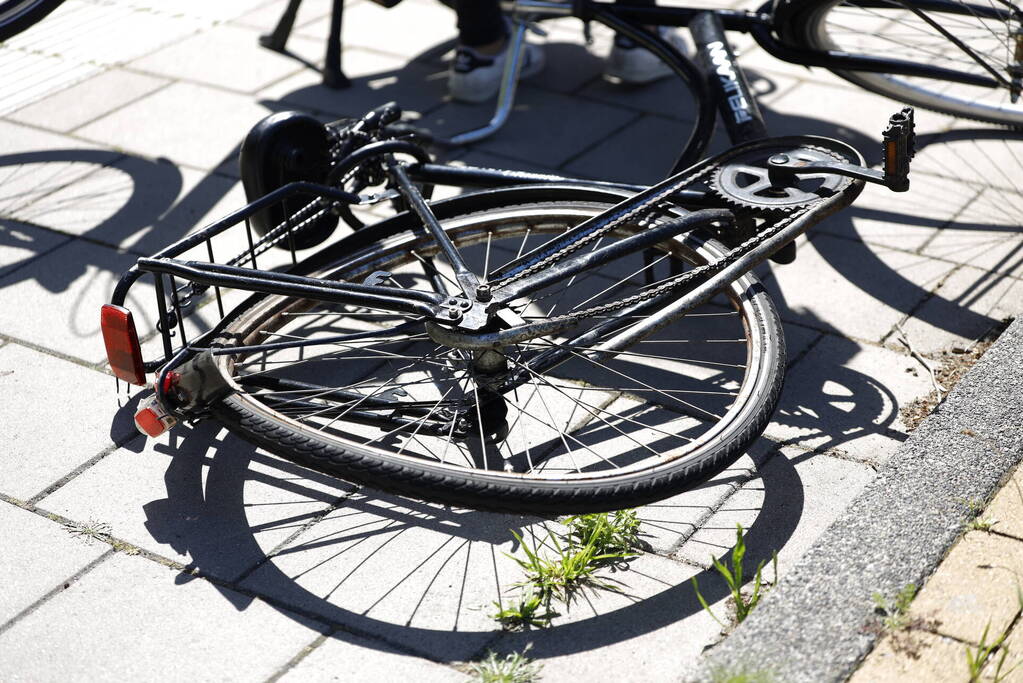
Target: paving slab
{"points": [[193, 630], [22, 242], [850, 288], [793, 499], [36, 163], [70, 283], [88, 100], [265, 15], [39, 75], [614, 158], [670, 522], [398, 31], [545, 128], [40, 557], [967, 306], [907, 221], [845, 396], [180, 497], [931, 657], [420, 576], [197, 125], [376, 78], [139, 204], [790, 114], [969, 592], [1007, 508], [49, 432], [344, 657], [230, 57], [644, 633]]}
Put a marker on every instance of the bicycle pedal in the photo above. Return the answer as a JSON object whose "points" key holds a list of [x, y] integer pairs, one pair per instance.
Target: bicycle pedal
{"points": [[899, 146]]}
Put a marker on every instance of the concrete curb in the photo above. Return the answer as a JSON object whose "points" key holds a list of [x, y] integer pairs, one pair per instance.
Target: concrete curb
{"points": [[811, 627]]}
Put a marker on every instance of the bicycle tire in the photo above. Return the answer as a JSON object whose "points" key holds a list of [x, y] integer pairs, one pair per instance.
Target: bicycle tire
{"points": [[349, 453], [876, 31], [18, 15]]}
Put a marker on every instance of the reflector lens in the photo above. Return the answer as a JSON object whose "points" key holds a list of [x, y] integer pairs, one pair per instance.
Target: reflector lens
{"points": [[152, 419], [122, 342], [149, 423]]}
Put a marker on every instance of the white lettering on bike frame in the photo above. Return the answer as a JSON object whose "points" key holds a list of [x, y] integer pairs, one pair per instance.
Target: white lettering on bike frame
{"points": [[729, 82]]}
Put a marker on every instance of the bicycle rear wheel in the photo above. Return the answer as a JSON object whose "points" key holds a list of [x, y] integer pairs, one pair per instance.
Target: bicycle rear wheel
{"points": [[886, 28], [18, 15], [589, 434]]}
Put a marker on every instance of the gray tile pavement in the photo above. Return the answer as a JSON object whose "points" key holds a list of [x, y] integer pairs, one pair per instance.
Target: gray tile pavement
{"points": [[88, 100], [191, 124], [180, 503], [184, 629], [794, 498], [113, 147], [49, 433], [40, 557], [845, 395]]}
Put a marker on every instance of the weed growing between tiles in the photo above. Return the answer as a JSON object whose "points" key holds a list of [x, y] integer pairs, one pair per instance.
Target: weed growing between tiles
{"points": [[742, 603], [512, 668], [558, 566]]}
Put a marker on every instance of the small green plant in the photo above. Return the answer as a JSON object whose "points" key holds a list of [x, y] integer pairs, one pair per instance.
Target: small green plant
{"points": [[740, 675], [513, 668], [570, 568], [733, 576], [977, 658], [976, 522], [894, 612], [611, 533], [528, 610]]}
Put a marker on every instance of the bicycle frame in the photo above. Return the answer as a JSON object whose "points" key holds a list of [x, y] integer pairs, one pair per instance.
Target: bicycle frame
{"points": [[770, 25], [474, 315]]}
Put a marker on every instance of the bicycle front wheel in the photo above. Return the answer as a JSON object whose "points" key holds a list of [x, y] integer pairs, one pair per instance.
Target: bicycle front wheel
{"points": [[390, 407], [885, 28], [18, 15]]}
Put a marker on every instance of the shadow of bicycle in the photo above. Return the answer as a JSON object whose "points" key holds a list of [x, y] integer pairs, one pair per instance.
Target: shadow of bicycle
{"points": [[419, 576]]}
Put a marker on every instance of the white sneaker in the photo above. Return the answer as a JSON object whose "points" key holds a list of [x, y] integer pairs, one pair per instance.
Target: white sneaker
{"points": [[632, 64], [473, 77]]}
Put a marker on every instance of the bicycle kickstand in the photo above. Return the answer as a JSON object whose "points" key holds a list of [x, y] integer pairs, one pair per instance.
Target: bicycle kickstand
{"points": [[506, 93]]}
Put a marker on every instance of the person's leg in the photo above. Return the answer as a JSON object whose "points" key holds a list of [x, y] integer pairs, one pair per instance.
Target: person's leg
{"points": [[481, 25], [475, 73]]}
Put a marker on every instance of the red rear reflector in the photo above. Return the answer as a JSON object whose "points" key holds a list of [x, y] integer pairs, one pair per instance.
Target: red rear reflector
{"points": [[152, 419], [122, 342]]}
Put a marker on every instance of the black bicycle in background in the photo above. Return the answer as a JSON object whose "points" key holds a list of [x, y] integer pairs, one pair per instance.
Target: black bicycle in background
{"points": [[957, 57], [545, 344], [962, 58]]}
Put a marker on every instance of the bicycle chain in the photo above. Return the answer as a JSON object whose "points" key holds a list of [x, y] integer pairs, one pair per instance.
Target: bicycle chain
{"points": [[579, 243], [684, 279]]}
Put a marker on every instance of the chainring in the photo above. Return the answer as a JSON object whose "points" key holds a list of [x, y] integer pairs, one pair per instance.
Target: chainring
{"points": [[746, 182]]}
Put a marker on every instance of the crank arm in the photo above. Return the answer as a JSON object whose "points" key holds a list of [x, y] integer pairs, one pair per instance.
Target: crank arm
{"points": [[899, 141]]}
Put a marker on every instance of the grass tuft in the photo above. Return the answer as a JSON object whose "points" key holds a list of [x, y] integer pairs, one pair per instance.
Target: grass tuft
{"points": [[740, 675], [556, 567], [512, 668], [894, 612]]}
